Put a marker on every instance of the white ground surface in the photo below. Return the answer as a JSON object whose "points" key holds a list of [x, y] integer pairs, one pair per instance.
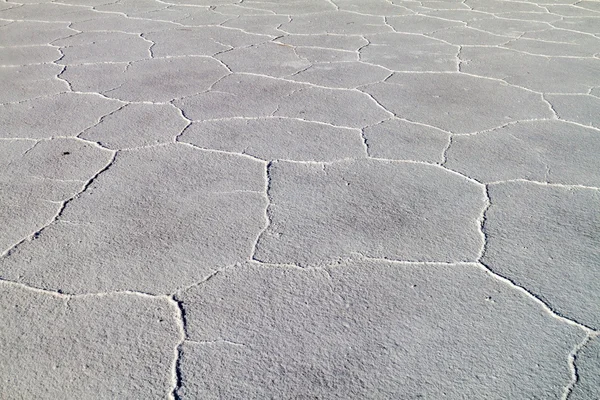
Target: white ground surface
{"points": [[300, 199]]}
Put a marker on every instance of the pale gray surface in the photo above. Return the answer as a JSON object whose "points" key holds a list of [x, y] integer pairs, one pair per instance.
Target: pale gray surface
{"points": [[388, 341], [545, 151], [137, 125], [92, 347], [588, 363], [155, 234], [277, 138], [423, 174], [564, 270], [318, 213]]}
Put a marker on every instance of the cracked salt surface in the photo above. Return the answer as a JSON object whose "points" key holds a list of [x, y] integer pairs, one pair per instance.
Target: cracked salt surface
{"points": [[299, 199]]}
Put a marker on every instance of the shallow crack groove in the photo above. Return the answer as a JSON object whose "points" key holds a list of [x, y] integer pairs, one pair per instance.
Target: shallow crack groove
{"points": [[365, 142], [426, 163], [216, 341], [176, 374], [560, 185], [445, 151], [572, 361], [68, 295], [266, 215], [362, 257]]}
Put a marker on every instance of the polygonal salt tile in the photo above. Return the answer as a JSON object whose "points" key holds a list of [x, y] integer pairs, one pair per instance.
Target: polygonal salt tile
{"points": [[464, 16], [49, 12], [25, 82], [200, 41], [263, 24], [369, 330], [157, 219], [11, 150], [590, 5], [444, 5], [291, 7], [137, 125], [545, 239], [542, 74], [462, 103], [154, 80], [499, 6], [319, 55], [548, 151], [28, 55], [419, 23], [183, 42], [241, 10], [37, 177], [117, 22], [232, 37], [89, 3], [587, 363], [131, 6], [530, 16], [566, 8], [320, 213], [346, 75], [261, 97], [197, 16], [171, 14], [339, 42], [465, 36], [102, 347], [507, 27], [557, 42], [373, 7], [581, 24], [62, 159], [341, 22], [95, 47], [271, 59], [204, 3], [582, 109], [339, 107], [402, 140], [65, 114], [553, 49], [405, 52], [93, 77], [277, 138]]}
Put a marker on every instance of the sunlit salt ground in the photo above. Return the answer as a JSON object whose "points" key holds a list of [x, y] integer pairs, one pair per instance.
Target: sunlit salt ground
{"points": [[299, 199]]}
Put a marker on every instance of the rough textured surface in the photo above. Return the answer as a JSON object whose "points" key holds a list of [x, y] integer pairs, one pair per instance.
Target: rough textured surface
{"points": [[402, 140], [277, 138], [299, 199], [36, 177], [455, 102], [155, 234], [588, 364], [383, 209], [268, 331], [66, 114], [137, 125], [101, 347], [564, 271], [548, 151]]}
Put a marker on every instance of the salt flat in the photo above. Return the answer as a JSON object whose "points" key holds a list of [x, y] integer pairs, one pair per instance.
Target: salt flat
{"points": [[300, 199]]}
